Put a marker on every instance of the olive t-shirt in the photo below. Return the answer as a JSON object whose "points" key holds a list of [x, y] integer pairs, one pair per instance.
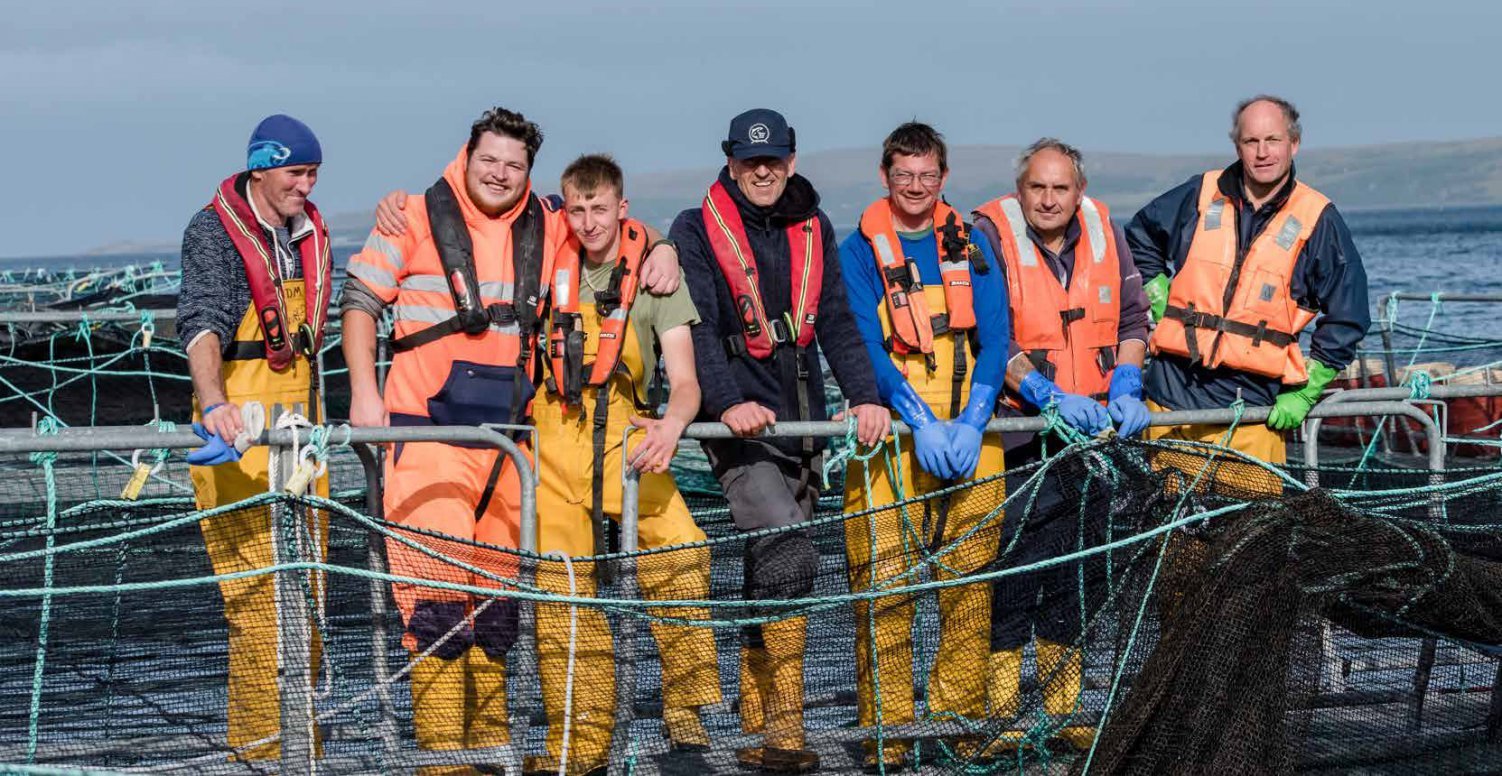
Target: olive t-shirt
{"points": [[651, 314]]}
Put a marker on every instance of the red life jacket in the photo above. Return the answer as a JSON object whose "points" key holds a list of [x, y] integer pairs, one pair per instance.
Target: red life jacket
{"points": [[732, 251], [259, 257], [566, 338], [913, 327]]}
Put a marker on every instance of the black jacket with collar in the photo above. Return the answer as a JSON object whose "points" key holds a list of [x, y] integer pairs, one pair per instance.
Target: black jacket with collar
{"points": [[727, 380]]}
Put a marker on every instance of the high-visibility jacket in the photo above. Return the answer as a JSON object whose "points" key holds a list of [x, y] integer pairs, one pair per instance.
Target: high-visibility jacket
{"points": [[1070, 335], [732, 251], [285, 327], [1236, 310], [566, 331], [466, 291]]}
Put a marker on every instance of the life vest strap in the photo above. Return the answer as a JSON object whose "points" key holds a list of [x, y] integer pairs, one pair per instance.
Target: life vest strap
{"points": [[1195, 319], [252, 350], [501, 314]]}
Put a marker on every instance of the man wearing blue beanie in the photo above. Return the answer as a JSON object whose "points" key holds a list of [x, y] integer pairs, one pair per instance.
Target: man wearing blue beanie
{"points": [[256, 282]]}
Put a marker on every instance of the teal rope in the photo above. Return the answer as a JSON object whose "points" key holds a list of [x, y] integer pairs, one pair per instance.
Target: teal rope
{"points": [[47, 427]]}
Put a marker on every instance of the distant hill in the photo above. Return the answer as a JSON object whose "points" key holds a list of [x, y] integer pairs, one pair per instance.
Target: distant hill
{"points": [[1461, 172], [1395, 175]]}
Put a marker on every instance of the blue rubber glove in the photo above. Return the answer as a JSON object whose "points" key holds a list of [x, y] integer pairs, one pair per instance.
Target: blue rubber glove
{"points": [[1126, 406], [965, 431], [1081, 412], [930, 438], [214, 452]]}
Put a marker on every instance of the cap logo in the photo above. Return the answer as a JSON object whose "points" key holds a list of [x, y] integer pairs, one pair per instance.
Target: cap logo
{"points": [[267, 153], [759, 133]]}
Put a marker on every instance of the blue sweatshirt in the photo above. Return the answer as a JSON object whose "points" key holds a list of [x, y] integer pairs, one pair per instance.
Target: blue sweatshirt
{"points": [[864, 288]]}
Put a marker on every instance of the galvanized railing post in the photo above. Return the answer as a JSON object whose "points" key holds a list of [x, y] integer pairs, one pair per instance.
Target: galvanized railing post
{"points": [[294, 636], [375, 549], [630, 588]]}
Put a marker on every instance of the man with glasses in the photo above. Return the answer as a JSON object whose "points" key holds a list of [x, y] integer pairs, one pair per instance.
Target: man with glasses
{"points": [[932, 311]]}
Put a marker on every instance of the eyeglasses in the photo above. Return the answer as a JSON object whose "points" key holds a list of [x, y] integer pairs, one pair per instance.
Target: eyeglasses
{"points": [[904, 178]]}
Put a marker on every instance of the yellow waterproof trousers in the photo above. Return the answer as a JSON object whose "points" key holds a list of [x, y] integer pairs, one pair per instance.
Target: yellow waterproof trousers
{"points": [[884, 549], [1226, 475], [581, 635], [1229, 474], [240, 541]]}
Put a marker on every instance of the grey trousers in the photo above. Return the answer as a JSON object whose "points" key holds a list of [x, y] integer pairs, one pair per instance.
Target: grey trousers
{"points": [[769, 489]]}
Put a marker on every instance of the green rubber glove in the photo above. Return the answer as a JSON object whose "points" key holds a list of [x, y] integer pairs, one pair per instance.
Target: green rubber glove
{"points": [[1157, 296], [1293, 405]]}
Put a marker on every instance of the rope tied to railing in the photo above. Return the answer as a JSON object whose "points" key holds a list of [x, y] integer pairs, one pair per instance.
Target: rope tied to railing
{"points": [[148, 328]]}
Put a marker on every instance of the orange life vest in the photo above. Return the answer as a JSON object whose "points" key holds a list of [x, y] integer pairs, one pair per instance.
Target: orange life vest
{"points": [[1226, 309], [732, 251], [913, 326], [1070, 334], [259, 258], [566, 335]]}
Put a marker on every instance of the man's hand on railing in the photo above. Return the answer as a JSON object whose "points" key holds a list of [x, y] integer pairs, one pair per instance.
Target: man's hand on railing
{"points": [[872, 422], [656, 449], [224, 420], [748, 418], [368, 411]]}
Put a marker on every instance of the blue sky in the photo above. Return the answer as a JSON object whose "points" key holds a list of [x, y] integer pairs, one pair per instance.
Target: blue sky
{"points": [[119, 118]]}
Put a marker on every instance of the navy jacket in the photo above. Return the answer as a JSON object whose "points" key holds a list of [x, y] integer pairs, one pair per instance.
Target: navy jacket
{"points": [[727, 380], [1327, 276]]}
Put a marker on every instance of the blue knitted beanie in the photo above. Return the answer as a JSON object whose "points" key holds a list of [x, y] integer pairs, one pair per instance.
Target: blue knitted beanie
{"points": [[281, 141]]}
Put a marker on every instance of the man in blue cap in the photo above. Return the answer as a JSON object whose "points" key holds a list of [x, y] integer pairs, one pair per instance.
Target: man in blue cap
{"points": [[256, 282], [754, 258]]}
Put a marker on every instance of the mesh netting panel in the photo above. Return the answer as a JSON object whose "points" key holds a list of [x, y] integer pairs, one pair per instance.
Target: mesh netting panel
{"points": [[1076, 615]]}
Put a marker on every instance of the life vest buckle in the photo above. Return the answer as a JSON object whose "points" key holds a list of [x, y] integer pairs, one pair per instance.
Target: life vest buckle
{"points": [[939, 324], [779, 331], [307, 341]]}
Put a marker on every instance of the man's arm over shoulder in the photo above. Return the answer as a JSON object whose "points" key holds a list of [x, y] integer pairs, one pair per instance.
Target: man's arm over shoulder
{"points": [[1155, 230], [835, 328], [211, 272], [383, 261], [717, 383], [1330, 277]]}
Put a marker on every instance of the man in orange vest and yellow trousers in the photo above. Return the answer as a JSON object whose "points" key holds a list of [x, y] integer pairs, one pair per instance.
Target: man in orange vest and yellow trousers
{"points": [[932, 310], [1079, 336], [256, 283], [1241, 260], [605, 333]]}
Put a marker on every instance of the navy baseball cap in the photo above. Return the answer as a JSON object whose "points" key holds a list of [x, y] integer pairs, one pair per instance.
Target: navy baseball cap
{"points": [[759, 132]]}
